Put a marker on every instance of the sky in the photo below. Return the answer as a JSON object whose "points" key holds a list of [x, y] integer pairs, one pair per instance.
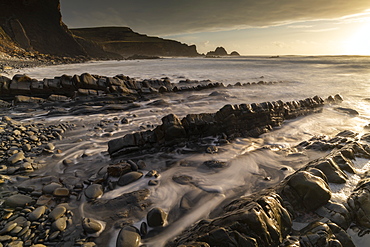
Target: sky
{"points": [[251, 27]]}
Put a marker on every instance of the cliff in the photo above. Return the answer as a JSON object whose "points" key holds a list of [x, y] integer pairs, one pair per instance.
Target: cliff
{"points": [[35, 26], [28, 26], [125, 42]]}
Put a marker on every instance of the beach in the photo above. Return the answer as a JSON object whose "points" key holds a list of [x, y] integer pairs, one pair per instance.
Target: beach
{"points": [[161, 152]]}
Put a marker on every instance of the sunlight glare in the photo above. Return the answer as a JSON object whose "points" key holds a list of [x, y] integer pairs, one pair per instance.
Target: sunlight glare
{"points": [[359, 42]]}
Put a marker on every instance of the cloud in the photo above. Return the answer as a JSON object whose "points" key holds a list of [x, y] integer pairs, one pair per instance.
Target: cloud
{"points": [[322, 30], [165, 17]]}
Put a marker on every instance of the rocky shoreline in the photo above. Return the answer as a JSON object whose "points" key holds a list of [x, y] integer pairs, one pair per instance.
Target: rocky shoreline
{"points": [[48, 197]]}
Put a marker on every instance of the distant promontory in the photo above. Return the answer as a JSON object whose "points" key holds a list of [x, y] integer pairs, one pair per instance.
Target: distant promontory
{"points": [[34, 29]]}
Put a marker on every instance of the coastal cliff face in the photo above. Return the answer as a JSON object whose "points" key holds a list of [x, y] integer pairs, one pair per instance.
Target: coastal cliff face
{"points": [[36, 26], [124, 41]]}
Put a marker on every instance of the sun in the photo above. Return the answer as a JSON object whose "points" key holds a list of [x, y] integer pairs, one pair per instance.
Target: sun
{"points": [[359, 42]]}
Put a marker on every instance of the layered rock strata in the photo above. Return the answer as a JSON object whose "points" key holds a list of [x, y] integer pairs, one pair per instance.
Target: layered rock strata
{"points": [[231, 121], [96, 85], [266, 218]]}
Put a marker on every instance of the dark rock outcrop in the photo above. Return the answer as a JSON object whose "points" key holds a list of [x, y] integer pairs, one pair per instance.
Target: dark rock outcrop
{"points": [[30, 28], [266, 218], [234, 53], [95, 85], [37, 26], [124, 41], [231, 121], [220, 51]]}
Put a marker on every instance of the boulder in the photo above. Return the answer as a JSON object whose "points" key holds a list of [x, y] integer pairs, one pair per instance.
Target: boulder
{"points": [[156, 217], [359, 203], [94, 191], [311, 191], [128, 237]]}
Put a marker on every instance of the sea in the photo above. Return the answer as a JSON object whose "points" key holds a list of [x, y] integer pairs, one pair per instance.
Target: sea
{"points": [[249, 164]]}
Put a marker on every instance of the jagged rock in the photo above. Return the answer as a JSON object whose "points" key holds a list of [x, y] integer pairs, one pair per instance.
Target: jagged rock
{"points": [[19, 99], [359, 203], [310, 190], [232, 120], [219, 51], [337, 213], [332, 172], [324, 235]]}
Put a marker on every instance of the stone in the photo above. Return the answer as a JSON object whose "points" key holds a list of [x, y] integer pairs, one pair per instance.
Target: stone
{"points": [[16, 157], [117, 170], [17, 200], [153, 182], [37, 213], [333, 173], [26, 147], [128, 237], [156, 217], [61, 192], [91, 226], [60, 224], [129, 178], [8, 227], [94, 191], [17, 243], [124, 121], [57, 213], [215, 164], [49, 188], [312, 191]]}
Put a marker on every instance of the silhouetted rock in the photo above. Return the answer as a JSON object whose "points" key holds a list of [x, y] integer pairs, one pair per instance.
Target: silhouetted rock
{"points": [[127, 43], [220, 51], [234, 53], [34, 28]]}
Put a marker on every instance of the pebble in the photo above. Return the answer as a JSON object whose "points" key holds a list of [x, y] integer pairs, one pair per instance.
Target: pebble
{"points": [[54, 235], [60, 224], [16, 157], [94, 191], [17, 200], [26, 147], [128, 237], [57, 212], [61, 192], [156, 217], [15, 244], [49, 188], [91, 226], [129, 178], [37, 213], [8, 227], [153, 182], [67, 162], [141, 164]]}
